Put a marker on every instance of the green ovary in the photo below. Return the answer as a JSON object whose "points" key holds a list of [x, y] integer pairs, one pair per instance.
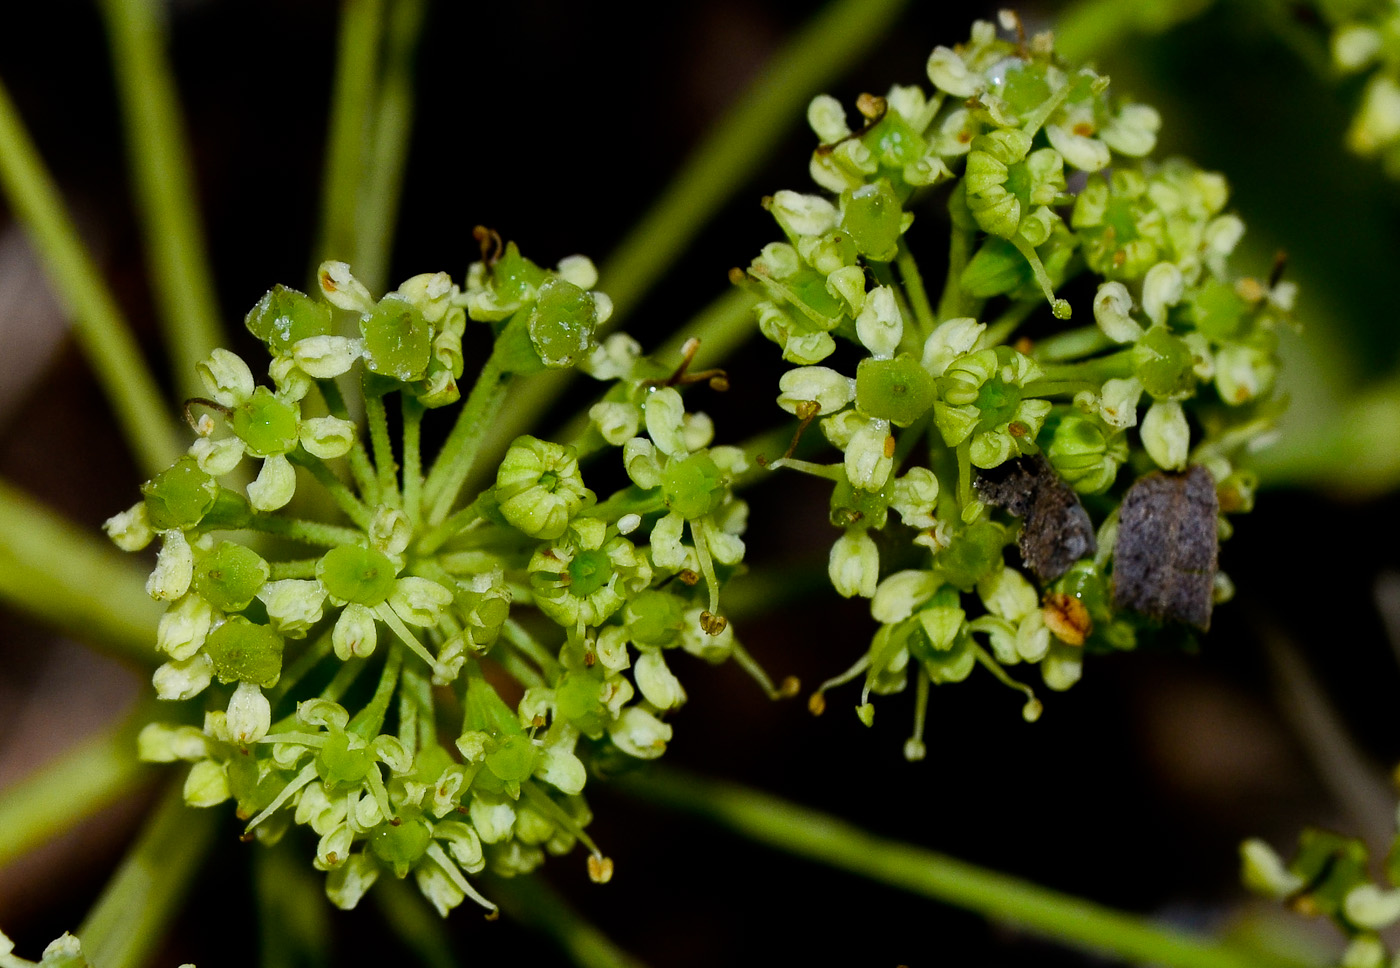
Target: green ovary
{"points": [[355, 574]]}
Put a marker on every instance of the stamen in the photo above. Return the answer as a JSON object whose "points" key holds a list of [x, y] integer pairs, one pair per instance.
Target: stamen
{"points": [[914, 748], [790, 687], [390, 618], [454, 873], [307, 774], [1031, 711], [817, 704]]}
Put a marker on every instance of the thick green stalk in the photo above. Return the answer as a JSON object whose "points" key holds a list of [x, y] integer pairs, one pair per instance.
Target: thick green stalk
{"points": [[72, 787], [454, 462], [348, 145], [98, 325], [75, 581], [534, 903], [136, 907], [417, 926], [732, 152], [164, 186], [392, 125], [1089, 28], [1060, 917]]}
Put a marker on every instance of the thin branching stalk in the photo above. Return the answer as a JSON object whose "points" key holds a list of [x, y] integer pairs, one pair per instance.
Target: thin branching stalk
{"points": [[98, 325], [1069, 920], [146, 893], [164, 187], [72, 787], [76, 582]]}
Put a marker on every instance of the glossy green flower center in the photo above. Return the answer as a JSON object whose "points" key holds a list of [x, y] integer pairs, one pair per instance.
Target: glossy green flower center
{"points": [[230, 577], [898, 390], [588, 572], [243, 651], [267, 425], [356, 574], [693, 486], [180, 496]]}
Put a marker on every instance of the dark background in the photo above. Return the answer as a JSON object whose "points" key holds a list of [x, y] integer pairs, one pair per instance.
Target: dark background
{"points": [[557, 124]]}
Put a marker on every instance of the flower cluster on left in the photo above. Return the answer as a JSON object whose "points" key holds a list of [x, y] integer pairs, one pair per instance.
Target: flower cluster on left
{"points": [[424, 679]]}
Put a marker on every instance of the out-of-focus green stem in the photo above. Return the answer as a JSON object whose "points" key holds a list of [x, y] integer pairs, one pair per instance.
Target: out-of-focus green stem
{"points": [[1353, 449], [74, 581], [1088, 28], [101, 331], [532, 902], [418, 927], [349, 141], [730, 154], [391, 126], [145, 895], [72, 787], [164, 186], [815, 836], [454, 462]]}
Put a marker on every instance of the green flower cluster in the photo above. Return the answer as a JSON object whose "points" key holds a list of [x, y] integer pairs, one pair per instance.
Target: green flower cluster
{"points": [[1365, 39], [423, 680], [1330, 877], [982, 426]]}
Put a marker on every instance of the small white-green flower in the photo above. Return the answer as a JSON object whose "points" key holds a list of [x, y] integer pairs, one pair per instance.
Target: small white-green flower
{"points": [[854, 564]]}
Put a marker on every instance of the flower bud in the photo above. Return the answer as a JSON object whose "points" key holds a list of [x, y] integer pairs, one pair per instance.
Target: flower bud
{"points": [[1166, 435], [949, 73], [130, 530], [342, 289], [174, 568], [1112, 311], [827, 118], [226, 377], [854, 564], [184, 678], [665, 414], [638, 733], [355, 633], [274, 485], [658, 685], [206, 784]]}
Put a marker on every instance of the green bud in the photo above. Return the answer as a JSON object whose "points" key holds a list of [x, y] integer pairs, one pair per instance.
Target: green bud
{"points": [[206, 785], [284, 316], [397, 339], [539, 487], [654, 618], [230, 577], [245, 652], [561, 324], [180, 496], [974, 553], [265, 424], [898, 390], [1164, 364], [875, 220], [355, 574], [692, 486]]}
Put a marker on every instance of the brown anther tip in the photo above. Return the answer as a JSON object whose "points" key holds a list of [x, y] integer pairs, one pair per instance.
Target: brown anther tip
{"points": [[1280, 264], [493, 915], [246, 838], [332, 858], [600, 869], [872, 107], [1016, 429], [242, 814], [766, 201], [1084, 129], [1067, 617], [1024, 345], [790, 686], [761, 461], [538, 721], [719, 384], [1250, 289], [816, 704], [395, 821], [736, 276], [889, 445], [688, 577], [590, 658], [713, 624]]}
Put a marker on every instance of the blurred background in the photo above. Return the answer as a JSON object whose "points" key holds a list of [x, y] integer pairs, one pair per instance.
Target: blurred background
{"points": [[557, 124]]}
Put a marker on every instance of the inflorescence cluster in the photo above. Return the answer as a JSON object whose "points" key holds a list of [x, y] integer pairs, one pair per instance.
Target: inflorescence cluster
{"points": [[1365, 40], [423, 679], [1105, 453]]}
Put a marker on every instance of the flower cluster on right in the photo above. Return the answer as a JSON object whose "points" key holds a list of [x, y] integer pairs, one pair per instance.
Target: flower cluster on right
{"points": [[1056, 489]]}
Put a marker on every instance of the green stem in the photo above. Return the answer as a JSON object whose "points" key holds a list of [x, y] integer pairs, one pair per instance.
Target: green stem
{"points": [[418, 927], [1072, 344], [393, 123], [530, 901], [377, 416], [348, 143], [307, 532], [74, 581], [454, 461], [412, 412], [732, 152], [339, 491], [953, 303], [1091, 28], [73, 786], [98, 325], [294, 926], [825, 839], [458, 522], [914, 289], [123, 929], [164, 185]]}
